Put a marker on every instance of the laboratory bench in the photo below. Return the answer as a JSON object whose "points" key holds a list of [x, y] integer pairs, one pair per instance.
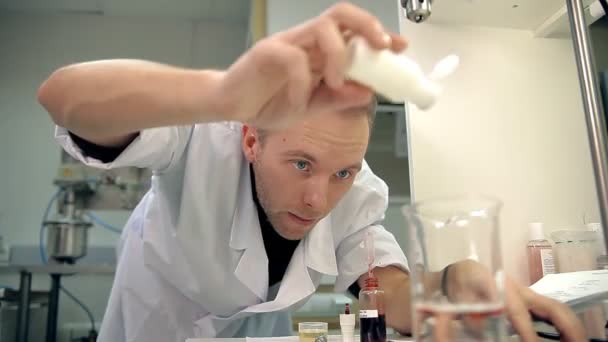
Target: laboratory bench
{"points": [[330, 338], [26, 266], [25, 261]]}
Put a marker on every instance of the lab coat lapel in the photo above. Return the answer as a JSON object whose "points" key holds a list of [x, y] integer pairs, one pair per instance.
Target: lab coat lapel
{"points": [[314, 256], [319, 248], [246, 237], [297, 285]]}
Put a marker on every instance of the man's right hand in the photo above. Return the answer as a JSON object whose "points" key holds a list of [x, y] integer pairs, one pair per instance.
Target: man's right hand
{"points": [[300, 70], [273, 84]]}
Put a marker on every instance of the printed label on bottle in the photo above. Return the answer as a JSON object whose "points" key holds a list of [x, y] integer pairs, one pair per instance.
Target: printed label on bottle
{"points": [[368, 313], [546, 259]]}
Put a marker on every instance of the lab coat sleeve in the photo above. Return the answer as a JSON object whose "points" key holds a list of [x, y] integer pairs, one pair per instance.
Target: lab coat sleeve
{"points": [[361, 211], [351, 255], [155, 148]]}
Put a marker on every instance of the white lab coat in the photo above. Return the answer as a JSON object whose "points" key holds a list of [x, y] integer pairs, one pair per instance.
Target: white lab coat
{"points": [[192, 262]]}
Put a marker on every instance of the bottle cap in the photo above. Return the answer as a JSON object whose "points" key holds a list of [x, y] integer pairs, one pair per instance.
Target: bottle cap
{"points": [[371, 282], [536, 231]]}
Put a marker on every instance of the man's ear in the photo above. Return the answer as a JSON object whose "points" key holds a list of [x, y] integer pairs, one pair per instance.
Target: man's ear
{"points": [[250, 142]]}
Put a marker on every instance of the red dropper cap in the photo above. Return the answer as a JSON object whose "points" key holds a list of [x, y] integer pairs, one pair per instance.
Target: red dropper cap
{"points": [[371, 282]]}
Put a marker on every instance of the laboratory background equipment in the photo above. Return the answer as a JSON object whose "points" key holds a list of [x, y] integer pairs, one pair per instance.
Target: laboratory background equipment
{"points": [[81, 190], [64, 232], [595, 114], [540, 253], [416, 10], [575, 250]]}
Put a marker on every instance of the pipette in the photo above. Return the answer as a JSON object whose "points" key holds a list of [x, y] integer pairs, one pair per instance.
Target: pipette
{"points": [[371, 253]]}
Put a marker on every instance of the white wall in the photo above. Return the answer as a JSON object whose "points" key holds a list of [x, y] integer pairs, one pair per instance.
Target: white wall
{"points": [[31, 47], [510, 124]]}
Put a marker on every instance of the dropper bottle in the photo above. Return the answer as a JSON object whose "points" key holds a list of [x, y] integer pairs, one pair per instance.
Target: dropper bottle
{"points": [[372, 320], [347, 325]]}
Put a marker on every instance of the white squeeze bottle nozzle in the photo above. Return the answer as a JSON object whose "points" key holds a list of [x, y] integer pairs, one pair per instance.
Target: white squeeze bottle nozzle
{"points": [[396, 76]]}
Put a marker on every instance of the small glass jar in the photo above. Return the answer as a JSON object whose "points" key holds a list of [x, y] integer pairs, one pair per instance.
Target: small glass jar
{"points": [[312, 331]]}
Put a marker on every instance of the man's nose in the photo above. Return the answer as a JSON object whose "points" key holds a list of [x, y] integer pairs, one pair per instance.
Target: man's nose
{"points": [[315, 194]]}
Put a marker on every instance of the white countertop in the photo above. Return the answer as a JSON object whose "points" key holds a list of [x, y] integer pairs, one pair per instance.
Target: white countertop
{"points": [[59, 269], [331, 338]]}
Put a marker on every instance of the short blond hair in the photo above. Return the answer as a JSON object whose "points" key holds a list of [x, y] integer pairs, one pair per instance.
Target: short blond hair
{"points": [[370, 110]]}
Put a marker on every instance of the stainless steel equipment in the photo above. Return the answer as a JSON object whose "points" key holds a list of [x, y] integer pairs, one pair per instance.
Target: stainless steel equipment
{"points": [[67, 239], [592, 102], [67, 233], [83, 188], [417, 10]]}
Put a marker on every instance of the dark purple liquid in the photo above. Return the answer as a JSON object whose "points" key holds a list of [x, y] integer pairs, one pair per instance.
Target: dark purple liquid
{"points": [[373, 329]]}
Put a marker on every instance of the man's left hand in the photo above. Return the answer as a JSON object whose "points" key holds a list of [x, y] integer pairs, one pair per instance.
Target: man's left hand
{"points": [[468, 280], [521, 301]]}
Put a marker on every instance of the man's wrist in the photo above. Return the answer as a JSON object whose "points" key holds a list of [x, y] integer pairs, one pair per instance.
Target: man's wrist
{"points": [[211, 100]]}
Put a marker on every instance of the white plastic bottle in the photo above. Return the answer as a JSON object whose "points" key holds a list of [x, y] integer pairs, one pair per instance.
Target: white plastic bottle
{"points": [[540, 254], [347, 325], [396, 76]]}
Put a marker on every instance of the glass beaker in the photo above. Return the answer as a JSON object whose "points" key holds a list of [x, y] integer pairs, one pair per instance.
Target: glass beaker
{"points": [[457, 279], [575, 250]]}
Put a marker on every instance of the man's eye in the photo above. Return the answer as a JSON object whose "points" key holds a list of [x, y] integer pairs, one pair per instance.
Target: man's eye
{"points": [[301, 165], [344, 174]]}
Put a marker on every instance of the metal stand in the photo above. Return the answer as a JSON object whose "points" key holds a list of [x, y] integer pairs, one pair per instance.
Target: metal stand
{"points": [[51, 322], [592, 103], [23, 312]]}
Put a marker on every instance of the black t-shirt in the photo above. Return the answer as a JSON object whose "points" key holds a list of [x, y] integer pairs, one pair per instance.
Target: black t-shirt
{"points": [[278, 249]]}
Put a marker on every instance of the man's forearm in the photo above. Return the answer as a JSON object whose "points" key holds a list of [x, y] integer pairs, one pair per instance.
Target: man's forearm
{"points": [[106, 102], [396, 286]]}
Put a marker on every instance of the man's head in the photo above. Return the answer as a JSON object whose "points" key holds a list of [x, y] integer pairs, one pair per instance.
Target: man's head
{"points": [[303, 171]]}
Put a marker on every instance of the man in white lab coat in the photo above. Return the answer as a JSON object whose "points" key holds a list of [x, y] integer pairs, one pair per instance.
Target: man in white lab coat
{"points": [[259, 185]]}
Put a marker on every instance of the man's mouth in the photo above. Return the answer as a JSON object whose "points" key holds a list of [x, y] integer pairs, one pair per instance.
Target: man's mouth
{"points": [[300, 219]]}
